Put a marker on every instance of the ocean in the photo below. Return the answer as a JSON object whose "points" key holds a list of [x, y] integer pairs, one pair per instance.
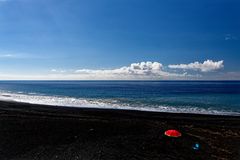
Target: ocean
{"points": [[205, 97]]}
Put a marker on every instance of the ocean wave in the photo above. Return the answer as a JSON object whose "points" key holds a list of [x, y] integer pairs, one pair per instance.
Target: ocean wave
{"points": [[105, 103]]}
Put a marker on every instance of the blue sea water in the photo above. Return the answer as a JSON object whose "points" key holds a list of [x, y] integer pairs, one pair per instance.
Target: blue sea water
{"points": [[206, 97]]}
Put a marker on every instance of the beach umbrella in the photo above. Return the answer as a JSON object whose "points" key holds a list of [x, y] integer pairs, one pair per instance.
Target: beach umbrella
{"points": [[173, 133]]}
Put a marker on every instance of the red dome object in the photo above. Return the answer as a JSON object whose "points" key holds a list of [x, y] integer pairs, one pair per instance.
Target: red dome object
{"points": [[173, 133]]}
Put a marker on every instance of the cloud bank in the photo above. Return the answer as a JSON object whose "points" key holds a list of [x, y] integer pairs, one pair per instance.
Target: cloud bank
{"points": [[135, 71], [143, 68], [206, 66]]}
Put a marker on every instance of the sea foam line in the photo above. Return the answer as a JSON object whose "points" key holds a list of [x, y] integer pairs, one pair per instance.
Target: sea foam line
{"points": [[103, 103]]}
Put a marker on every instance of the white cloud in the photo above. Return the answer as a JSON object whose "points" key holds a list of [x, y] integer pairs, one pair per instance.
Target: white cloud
{"points": [[6, 56], [135, 71], [19, 55], [11, 54], [143, 70], [53, 70], [206, 66], [58, 70]]}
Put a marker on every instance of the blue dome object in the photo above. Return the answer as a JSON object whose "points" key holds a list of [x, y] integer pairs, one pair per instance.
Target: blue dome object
{"points": [[196, 146]]}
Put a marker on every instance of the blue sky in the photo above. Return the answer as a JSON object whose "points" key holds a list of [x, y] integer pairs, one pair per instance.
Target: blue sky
{"points": [[108, 39]]}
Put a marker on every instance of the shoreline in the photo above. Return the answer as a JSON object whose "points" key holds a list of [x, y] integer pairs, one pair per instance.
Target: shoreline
{"points": [[33, 131], [220, 113], [63, 110]]}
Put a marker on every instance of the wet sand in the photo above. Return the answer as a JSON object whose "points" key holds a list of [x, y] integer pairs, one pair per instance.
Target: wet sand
{"points": [[40, 132]]}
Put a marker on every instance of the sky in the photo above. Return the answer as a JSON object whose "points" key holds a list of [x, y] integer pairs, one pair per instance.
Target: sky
{"points": [[119, 39]]}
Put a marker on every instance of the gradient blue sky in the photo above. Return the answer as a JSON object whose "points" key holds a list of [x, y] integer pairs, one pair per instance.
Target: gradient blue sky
{"points": [[45, 38]]}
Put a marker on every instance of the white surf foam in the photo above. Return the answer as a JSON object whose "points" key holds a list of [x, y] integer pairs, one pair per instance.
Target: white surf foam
{"points": [[103, 103]]}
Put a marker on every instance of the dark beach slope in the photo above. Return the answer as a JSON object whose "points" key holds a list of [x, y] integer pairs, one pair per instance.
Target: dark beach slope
{"points": [[45, 132]]}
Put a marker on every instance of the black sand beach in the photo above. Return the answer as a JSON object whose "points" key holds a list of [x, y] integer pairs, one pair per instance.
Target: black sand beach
{"points": [[38, 132]]}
